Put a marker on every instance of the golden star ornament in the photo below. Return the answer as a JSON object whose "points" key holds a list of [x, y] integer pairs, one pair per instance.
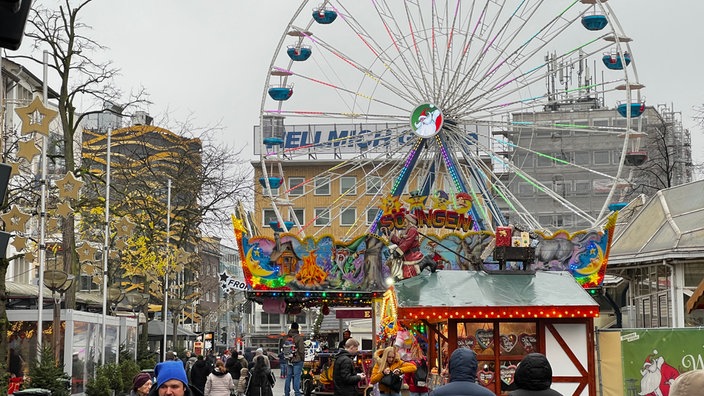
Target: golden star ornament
{"points": [[69, 186], [15, 220], [36, 111], [27, 150]]}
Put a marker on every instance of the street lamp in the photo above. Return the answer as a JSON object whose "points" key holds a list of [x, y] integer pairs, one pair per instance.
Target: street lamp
{"points": [[136, 301], [175, 306], [58, 282]]}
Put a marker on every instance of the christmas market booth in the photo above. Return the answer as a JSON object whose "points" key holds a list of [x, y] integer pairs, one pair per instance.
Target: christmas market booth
{"points": [[503, 317]]}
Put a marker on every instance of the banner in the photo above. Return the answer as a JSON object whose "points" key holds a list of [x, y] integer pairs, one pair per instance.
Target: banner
{"points": [[653, 358]]}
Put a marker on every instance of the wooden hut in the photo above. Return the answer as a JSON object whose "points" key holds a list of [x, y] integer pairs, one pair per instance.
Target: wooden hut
{"points": [[503, 317]]}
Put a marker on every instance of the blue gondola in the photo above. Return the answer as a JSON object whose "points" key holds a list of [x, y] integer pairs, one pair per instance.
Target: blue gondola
{"points": [[616, 61], [299, 53], [324, 16], [277, 227], [274, 182], [273, 141], [594, 22], [636, 109], [280, 93], [615, 207]]}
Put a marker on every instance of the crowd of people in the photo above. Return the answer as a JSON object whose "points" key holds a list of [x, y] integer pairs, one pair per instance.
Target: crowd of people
{"points": [[234, 374]]}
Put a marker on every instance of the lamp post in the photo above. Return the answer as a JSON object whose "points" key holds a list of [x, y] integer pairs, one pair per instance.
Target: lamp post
{"points": [[175, 306], [136, 301], [58, 282], [114, 296]]}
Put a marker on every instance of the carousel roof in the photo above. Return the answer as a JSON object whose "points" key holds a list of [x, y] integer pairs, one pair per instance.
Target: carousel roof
{"points": [[473, 294], [669, 226]]}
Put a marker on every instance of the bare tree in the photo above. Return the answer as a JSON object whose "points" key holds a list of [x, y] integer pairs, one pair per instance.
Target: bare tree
{"points": [[669, 161], [206, 177], [72, 57]]}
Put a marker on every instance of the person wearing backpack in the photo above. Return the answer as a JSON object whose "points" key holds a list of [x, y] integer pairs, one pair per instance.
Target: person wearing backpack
{"points": [[295, 355], [417, 381]]}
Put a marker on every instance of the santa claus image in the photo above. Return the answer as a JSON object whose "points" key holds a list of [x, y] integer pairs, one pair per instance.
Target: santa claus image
{"points": [[657, 376]]}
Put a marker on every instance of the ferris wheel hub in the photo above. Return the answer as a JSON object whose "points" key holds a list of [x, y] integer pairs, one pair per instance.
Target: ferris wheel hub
{"points": [[426, 120]]}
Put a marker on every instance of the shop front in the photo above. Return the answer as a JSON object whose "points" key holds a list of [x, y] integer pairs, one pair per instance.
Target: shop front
{"points": [[503, 317]]}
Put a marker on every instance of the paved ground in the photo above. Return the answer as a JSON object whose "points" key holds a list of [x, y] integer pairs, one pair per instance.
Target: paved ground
{"points": [[279, 387]]}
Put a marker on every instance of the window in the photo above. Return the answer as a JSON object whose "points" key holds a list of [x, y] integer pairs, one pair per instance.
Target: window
{"points": [[558, 184], [544, 161], [322, 217], [300, 319], [371, 215], [525, 189], [602, 157], [581, 128], [348, 216], [348, 185], [296, 184], [269, 319], [373, 185], [582, 187], [299, 214], [268, 216], [322, 185], [582, 158]]}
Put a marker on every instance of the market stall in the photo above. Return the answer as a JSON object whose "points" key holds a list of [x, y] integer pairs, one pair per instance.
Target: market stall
{"points": [[503, 317]]}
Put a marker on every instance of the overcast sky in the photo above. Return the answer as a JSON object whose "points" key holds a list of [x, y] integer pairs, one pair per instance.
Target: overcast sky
{"points": [[208, 59]]}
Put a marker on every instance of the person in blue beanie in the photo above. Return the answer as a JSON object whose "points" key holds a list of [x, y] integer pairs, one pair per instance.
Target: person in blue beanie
{"points": [[171, 379], [463, 376]]}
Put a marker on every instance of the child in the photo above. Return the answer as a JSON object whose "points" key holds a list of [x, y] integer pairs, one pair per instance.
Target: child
{"points": [[242, 383]]}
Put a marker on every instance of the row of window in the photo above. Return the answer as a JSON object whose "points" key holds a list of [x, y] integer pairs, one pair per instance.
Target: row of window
{"points": [[567, 187], [583, 158], [347, 216], [322, 186], [573, 128]]}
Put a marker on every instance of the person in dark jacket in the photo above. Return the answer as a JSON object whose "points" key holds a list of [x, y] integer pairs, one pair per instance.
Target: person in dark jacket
{"points": [[463, 375], [533, 376], [234, 366], [259, 383], [344, 374], [199, 373]]}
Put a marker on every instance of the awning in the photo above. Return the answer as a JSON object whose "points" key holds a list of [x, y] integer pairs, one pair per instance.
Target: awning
{"points": [[476, 295]]}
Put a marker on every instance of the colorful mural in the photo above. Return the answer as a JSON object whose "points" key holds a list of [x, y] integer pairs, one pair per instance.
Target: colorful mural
{"points": [[366, 262]]}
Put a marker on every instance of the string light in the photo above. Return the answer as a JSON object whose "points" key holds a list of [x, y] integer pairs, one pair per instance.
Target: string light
{"points": [[510, 312]]}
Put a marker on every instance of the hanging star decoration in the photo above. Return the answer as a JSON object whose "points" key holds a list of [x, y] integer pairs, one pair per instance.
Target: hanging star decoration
{"points": [[27, 150], [28, 257], [182, 257], [88, 268], [120, 244], [15, 220], [63, 209], [19, 243], [36, 111], [69, 186], [52, 224], [124, 227], [86, 252], [15, 168]]}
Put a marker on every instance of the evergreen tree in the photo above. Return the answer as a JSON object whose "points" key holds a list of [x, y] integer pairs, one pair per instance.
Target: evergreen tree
{"points": [[47, 374]]}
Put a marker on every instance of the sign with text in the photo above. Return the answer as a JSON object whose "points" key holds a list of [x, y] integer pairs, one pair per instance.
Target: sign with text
{"points": [[351, 138], [353, 314]]}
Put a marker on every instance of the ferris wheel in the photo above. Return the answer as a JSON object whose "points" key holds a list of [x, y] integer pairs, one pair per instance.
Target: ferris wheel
{"points": [[439, 99]]}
